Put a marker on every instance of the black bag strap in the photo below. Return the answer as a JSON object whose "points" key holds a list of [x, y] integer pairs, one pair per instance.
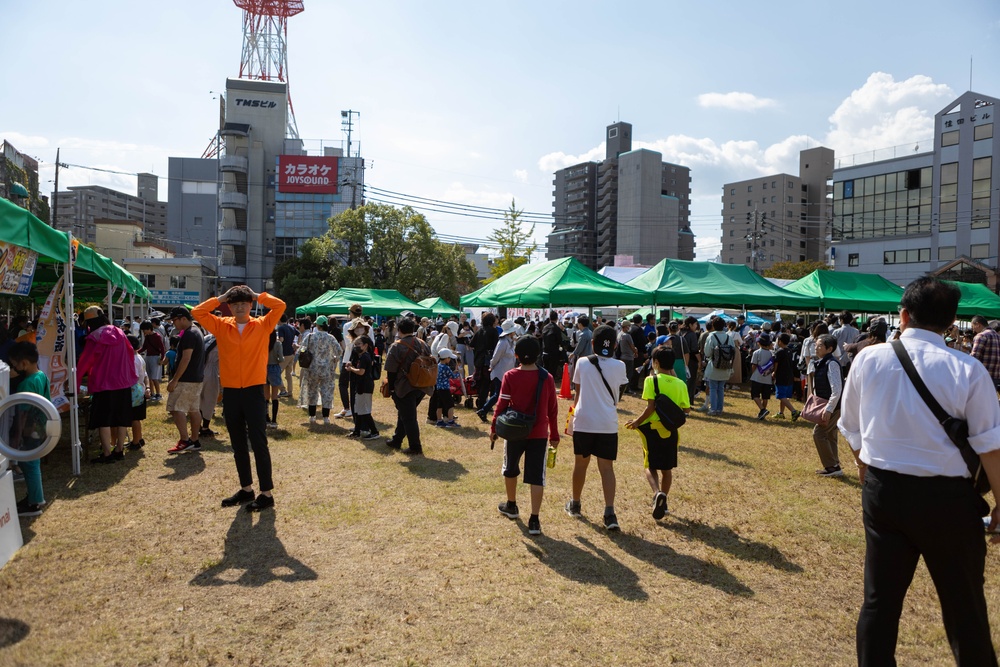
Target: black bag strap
{"points": [[593, 359], [542, 374], [918, 383]]}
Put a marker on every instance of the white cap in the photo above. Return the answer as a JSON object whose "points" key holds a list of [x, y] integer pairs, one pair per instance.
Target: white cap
{"points": [[445, 353]]}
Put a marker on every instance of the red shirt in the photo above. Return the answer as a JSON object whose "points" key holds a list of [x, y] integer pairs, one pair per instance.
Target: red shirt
{"points": [[518, 389]]}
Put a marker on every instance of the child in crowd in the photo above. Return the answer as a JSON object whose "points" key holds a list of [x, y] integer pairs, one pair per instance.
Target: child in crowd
{"points": [[172, 357], [274, 385], [138, 411], [29, 428], [761, 379], [783, 376], [364, 388], [444, 404], [659, 443], [519, 391]]}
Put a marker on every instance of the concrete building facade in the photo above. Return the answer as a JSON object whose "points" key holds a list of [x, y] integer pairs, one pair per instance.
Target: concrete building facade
{"points": [[631, 204], [19, 181], [79, 206], [119, 240], [927, 212], [174, 281], [793, 211], [193, 207]]}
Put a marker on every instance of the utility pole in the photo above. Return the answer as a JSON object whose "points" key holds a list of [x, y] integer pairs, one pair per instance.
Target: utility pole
{"points": [[55, 196], [347, 124], [756, 224]]}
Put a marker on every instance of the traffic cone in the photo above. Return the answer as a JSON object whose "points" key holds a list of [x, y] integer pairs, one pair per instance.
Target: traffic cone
{"points": [[564, 390]]}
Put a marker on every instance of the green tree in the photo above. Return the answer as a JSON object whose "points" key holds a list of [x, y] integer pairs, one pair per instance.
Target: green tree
{"points": [[301, 279], [514, 241], [795, 270], [384, 247]]}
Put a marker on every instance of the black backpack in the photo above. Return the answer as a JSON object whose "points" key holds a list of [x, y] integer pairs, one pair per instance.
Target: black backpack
{"points": [[723, 353]]}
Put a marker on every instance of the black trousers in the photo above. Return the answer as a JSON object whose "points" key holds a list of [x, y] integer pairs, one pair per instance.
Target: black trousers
{"points": [[246, 417], [553, 363], [483, 386], [344, 386], [407, 425], [939, 518]]}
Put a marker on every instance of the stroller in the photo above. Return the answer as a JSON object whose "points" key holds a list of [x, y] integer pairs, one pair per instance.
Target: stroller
{"points": [[455, 387]]}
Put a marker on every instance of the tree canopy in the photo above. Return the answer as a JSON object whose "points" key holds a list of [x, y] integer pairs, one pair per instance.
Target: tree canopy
{"points": [[514, 242], [795, 270], [378, 246]]}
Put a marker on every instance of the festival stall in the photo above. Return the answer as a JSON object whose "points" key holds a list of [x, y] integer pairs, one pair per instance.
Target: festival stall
{"points": [[676, 282], [373, 301], [31, 249], [857, 292], [560, 282], [439, 306]]}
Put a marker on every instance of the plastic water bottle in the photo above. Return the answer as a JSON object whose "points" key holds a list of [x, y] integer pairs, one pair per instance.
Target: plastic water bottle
{"points": [[551, 458]]}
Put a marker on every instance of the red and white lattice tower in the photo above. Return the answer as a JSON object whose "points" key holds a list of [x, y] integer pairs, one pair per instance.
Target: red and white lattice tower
{"points": [[265, 44]]}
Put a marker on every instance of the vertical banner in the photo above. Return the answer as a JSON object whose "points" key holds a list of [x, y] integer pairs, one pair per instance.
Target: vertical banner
{"points": [[52, 346]]}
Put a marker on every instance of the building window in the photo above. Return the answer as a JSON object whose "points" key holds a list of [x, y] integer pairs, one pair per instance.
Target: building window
{"points": [[198, 221], [731, 232], [946, 253], [749, 202], [791, 199], [791, 185], [612, 132], [731, 260], [979, 250], [732, 205], [764, 186], [982, 173], [910, 256], [788, 257], [147, 279], [788, 243], [749, 188], [774, 184], [732, 247], [949, 138], [178, 282], [983, 132], [948, 213], [802, 258], [732, 219], [732, 191], [802, 244], [853, 259]]}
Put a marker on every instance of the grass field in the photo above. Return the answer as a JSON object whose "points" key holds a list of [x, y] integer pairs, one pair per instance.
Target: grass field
{"points": [[373, 558]]}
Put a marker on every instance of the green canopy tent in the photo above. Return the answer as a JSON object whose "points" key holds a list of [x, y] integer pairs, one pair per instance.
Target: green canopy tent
{"points": [[857, 292], [95, 274], [439, 306], [373, 301], [977, 299], [560, 282], [676, 282]]}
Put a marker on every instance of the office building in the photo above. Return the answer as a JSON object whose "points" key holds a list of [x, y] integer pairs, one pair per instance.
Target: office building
{"points": [[789, 213], [931, 212], [631, 205], [78, 207], [193, 207]]}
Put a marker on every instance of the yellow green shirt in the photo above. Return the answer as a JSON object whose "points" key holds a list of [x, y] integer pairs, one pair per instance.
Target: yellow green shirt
{"points": [[672, 386]]}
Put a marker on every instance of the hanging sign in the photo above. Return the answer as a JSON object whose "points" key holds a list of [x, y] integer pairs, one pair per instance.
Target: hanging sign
{"points": [[51, 337], [17, 269]]}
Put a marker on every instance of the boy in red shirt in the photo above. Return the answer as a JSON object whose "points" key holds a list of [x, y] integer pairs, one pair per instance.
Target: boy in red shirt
{"points": [[518, 390]]}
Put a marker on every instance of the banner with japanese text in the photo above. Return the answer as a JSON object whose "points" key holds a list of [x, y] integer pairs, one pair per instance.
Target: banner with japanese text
{"points": [[51, 340], [305, 174], [17, 269]]}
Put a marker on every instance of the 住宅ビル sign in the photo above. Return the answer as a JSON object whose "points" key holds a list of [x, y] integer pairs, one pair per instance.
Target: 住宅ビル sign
{"points": [[305, 174]]}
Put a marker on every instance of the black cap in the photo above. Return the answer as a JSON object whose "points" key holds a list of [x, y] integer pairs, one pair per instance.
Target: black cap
{"points": [[180, 312], [604, 341]]}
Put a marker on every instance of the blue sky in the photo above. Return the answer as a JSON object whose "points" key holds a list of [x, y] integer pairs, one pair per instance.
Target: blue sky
{"points": [[479, 102]]}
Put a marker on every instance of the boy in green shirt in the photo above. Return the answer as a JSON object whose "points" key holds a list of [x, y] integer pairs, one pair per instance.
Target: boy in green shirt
{"points": [[659, 444], [29, 423]]}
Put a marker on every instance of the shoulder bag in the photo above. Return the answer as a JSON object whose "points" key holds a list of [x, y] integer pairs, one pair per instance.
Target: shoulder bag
{"points": [[515, 425], [956, 429], [305, 356], [669, 412]]}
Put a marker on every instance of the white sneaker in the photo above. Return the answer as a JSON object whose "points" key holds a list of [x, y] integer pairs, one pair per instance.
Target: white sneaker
{"points": [[326, 421], [312, 420]]}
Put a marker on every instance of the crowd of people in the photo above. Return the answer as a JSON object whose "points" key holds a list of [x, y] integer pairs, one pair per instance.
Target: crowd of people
{"points": [[508, 371]]}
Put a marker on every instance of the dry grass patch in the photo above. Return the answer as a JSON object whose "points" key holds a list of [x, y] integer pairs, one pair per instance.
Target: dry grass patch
{"points": [[375, 558]]}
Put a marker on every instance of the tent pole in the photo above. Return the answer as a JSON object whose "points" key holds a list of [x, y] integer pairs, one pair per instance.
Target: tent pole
{"points": [[74, 406]]}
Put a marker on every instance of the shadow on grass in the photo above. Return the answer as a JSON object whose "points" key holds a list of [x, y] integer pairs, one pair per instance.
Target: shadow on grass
{"points": [[12, 631], [444, 471], [183, 465], [589, 565], [674, 563], [254, 556], [849, 481], [712, 456], [725, 539]]}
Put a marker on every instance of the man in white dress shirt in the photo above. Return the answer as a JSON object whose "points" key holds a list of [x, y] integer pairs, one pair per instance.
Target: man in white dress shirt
{"points": [[917, 499]]}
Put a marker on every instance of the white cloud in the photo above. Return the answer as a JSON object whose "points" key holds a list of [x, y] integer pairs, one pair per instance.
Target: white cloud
{"points": [[458, 192], [521, 175], [884, 112], [555, 161], [735, 101]]}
